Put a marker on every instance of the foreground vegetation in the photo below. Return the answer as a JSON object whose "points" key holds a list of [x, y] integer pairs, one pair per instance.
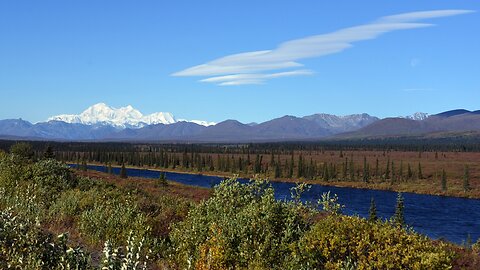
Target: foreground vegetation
{"points": [[51, 218]]}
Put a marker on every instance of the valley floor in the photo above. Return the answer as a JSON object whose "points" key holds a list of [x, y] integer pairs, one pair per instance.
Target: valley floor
{"points": [[418, 186]]}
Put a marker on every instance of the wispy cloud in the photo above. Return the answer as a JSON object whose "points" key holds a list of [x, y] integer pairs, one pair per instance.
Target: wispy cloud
{"points": [[254, 78], [256, 67]]}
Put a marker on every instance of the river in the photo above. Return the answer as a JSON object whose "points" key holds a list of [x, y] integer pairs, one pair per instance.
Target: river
{"points": [[438, 217]]}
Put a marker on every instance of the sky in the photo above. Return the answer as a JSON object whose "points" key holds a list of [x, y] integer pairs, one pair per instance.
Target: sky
{"points": [[246, 60]]}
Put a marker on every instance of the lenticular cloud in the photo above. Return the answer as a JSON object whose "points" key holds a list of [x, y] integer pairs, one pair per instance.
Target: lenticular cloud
{"points": [[258, 66]]}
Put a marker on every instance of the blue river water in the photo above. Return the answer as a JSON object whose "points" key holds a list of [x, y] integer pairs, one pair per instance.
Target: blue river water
{"points": [[438, 217]]}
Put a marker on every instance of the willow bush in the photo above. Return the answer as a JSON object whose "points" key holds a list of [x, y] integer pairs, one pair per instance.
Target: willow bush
{"points": [[371, 245], [240, 226]]}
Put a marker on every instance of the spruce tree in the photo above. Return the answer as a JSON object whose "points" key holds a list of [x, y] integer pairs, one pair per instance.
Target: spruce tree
{"points": [[300, 167], [365, 170], [400, 171], [372, 212], [466, 179], [444, 180], [387, 170], [290, 168], [123, 171], [162, 180], [84, 166], [398, 218], [409, 172], [393, 173], [48, 154], [352, 170], [277, 170], [344, 169], [420, 174]]}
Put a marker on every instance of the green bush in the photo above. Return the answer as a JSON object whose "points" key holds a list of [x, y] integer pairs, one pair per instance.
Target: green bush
{"points": [[370, 245], [53, 176], [240, 226], [23, 245], [71, 203], [112, 219], [13, 171]]}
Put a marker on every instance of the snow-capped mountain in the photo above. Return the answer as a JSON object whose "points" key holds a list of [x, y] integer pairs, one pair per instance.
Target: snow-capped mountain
{"points": [[342, 123], [418, 116], [124, 117]]}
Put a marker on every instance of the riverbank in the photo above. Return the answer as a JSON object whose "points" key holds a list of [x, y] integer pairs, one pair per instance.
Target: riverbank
{"points": [[422, 186]]}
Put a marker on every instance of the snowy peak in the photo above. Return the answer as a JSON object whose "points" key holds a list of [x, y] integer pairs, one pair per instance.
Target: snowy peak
{"points": [[418, 116], [124, 117], [342, 123]]}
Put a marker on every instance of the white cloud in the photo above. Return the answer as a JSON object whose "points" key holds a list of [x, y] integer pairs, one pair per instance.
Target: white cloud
{"points": [[286, 55], [254, 78]]}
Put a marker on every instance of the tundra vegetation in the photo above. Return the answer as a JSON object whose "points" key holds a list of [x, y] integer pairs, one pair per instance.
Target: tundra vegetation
{"points": [[445, 168], [54, 218]]}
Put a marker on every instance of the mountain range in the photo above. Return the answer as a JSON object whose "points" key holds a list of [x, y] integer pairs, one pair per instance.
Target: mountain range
{"points": [[101, 122]]}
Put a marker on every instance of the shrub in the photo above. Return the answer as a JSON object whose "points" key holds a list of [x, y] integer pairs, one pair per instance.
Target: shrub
{"points": [[53, 176], [23, 245], [370, 245], [112, 219], [22, 150], [12, 171], [69, 204], [130, 257], [240, 226]]}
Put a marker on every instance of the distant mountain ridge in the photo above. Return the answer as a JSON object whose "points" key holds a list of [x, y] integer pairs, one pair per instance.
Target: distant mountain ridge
{"points": [[103, 123], [459, 120]]}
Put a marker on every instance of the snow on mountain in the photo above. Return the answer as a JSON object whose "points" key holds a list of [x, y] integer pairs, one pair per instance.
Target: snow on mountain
{"points": [[342, 123], [418, 116], [198, 122], [124, 117]]}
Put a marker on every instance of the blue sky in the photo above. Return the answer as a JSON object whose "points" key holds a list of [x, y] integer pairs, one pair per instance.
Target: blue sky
{"points": [[62, 56]]}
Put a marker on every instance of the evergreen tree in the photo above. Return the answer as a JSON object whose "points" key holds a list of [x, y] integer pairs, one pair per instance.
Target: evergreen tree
{"points": [[162, 180], [277, 171], [409, 172], [400, 171], [365, 170], [344, 169], [466, 179], [123, 171], [372, 212], [387, 170], [48, 153], [393, 173], [420, 174], [326, 175], [84, 166], [398, 218], [300, 167], [376, 168], [290, 169], [352, 170], [444, 180]]}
